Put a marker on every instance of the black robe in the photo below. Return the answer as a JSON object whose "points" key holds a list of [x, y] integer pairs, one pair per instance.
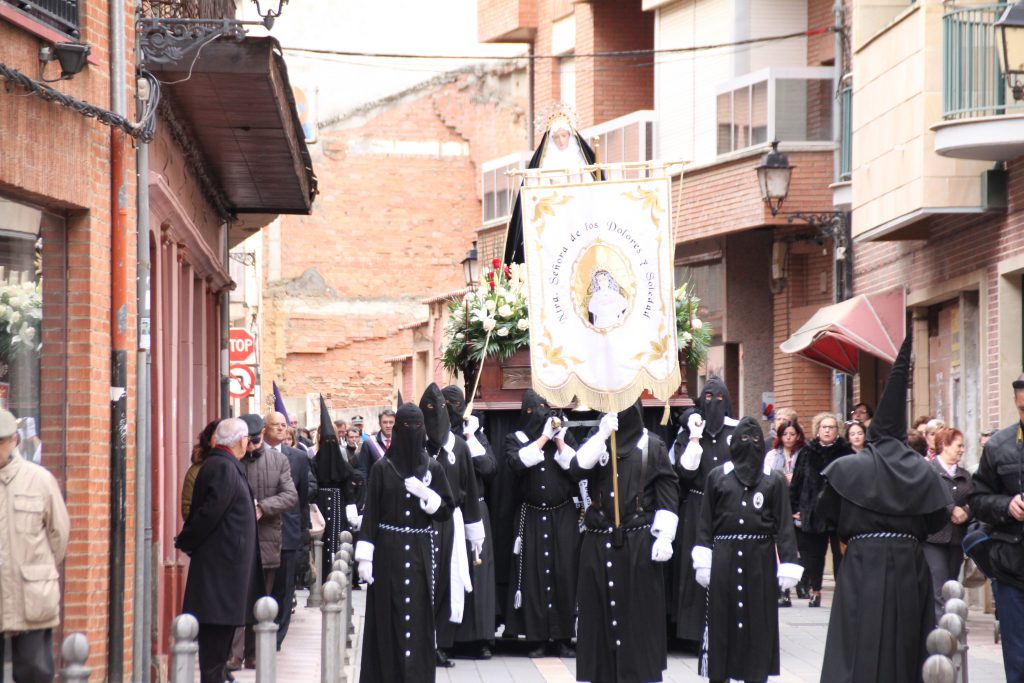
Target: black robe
{"points": [[478, 618], [622, 638], [691, 599], [339, 485], [543, 578], [743, 614], [455, 461], [883, 607], [398, 633]]}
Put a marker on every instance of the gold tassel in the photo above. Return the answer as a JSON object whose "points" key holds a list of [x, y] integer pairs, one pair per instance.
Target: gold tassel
{"points": [[665, 415]]}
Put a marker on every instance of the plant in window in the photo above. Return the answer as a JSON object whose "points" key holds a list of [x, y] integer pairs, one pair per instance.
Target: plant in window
{"points": [[21, 315], [694, 335]]}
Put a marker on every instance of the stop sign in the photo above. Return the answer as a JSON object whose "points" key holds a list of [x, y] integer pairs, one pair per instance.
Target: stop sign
{"points": [[241, 346]]}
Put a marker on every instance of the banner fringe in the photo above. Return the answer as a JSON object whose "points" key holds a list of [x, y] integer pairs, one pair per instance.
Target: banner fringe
{"points": [[611, 402]]}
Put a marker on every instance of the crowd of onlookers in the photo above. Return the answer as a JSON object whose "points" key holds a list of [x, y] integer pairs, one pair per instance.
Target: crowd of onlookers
{"points": [[802, 457]]}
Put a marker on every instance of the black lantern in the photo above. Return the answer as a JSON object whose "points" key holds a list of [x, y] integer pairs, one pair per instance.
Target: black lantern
{"points": [[773, 175], [270, 15], [1010, 33], [471, 267]]}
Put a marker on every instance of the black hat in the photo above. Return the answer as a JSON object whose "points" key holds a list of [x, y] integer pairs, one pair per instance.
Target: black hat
{"points": [[254, 422]]}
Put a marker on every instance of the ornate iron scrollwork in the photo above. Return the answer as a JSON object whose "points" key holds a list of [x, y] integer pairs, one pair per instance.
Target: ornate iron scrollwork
{"points": [[168, 41]]}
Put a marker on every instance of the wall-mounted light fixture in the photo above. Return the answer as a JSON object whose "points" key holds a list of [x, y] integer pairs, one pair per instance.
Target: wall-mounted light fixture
{"points": [[1010, 34], [270, 15], [72, 57]]}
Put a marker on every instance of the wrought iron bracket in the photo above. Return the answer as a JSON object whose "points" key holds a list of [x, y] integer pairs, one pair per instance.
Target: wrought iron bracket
{"points": [[825, 222], [168, 41]]}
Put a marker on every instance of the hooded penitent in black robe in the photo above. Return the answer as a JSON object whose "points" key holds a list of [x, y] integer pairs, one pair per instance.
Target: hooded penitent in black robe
{"points": [[450, 451], [884, 502], [715, 406], [514, 252], [398, 536], [542, 584], [745, 519], [478, 615], [338, 483], [622, 636]]}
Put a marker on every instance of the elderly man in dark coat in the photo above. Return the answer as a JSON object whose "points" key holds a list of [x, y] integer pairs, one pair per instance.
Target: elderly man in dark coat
{"points": [[224, 576]]}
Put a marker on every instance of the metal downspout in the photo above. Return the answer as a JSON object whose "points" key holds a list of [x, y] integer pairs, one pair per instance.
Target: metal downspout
{"points": [[225, 332]]}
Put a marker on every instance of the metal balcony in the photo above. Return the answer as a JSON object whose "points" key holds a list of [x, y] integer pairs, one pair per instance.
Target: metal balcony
{"points": [[61, 14], [980, 118]]}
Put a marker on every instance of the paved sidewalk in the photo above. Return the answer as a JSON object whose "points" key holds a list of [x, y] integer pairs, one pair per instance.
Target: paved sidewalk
{"points": [[802, 643]]}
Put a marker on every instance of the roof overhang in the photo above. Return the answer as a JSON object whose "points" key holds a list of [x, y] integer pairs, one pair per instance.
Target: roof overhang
{"points": [[236, 102], [835, 334]]}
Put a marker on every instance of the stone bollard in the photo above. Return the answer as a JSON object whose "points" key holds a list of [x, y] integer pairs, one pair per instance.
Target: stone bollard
{"points": [[184, 630], [345, 537], [331, 664], [938, 669], [941, 642], [343, 581], [315, 595], [957, 606], [73, 652], [952, 589], [266, 639]]}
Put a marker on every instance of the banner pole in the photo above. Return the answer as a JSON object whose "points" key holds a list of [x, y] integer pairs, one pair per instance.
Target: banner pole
{"points": [[476, 381], [615, 481]]}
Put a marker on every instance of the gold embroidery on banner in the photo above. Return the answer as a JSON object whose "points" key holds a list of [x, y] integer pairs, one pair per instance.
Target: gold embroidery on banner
{"points": [[554, 355], [651, 202], [545, 207]]}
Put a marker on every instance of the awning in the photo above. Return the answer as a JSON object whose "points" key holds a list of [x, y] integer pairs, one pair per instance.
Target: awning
{"points": [[872, 323]]}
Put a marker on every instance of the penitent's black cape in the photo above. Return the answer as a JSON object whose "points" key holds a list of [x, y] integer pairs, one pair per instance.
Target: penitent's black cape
{"points": [[888, 476], [514, 237]]}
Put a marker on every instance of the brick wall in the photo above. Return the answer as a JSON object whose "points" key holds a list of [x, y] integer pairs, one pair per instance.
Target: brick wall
{"points": [[506, 20], [60, 160], [398, 210]]}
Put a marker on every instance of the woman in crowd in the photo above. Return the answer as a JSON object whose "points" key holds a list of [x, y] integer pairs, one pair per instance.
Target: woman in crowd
{"points": [[930, 430], [782, 458], [813, 534], [942, 550], [856, 434], [204, 444]]}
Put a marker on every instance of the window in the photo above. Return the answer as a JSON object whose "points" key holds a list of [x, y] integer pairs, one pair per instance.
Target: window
{"points": [[497, 186], [567, 80], [794, 105], [32, 329]]}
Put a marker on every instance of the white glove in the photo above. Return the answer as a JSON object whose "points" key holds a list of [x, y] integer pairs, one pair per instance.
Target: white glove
{"points": [[704, 576], [609, 423], [564, 457], [789, 574], [366, 571], [549, 428], [472, 424], [661, 550], [560, 434], [786, 582], [431, 503], [357, 522], [531, 455], [417, 488], [477, 545], [695, 424], [351, 513]]}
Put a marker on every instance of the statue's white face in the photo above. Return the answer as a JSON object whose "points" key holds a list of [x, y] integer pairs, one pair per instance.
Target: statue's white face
{"points": [[561, 138]]}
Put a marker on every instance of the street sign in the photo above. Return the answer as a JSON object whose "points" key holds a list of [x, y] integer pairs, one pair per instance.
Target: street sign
{"points": [[241, 346], [243, 381]]}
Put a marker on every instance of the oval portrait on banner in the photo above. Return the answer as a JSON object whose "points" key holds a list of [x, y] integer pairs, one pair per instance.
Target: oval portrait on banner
{"points": [[603, 286]]}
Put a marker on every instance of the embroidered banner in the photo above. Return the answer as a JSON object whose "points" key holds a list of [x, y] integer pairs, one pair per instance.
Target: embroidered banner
{"points": [[600, 273]]}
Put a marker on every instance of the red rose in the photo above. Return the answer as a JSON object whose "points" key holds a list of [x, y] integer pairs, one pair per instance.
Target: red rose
{"points": [[508, 272], [496, 263], [492, 284], [490, 276]]}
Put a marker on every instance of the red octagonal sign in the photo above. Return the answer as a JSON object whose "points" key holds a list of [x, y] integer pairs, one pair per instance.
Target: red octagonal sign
{"points": [[241, 346]]}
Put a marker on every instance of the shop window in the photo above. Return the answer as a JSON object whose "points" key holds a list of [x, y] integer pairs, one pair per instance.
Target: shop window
{"points": [[32, 329]]}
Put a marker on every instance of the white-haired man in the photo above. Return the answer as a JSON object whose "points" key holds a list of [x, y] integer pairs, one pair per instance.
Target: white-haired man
{"points": [[224, 576]]}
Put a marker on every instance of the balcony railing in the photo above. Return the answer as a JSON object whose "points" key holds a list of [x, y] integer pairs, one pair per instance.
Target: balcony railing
{"points": [[61, 14], [496, 186], [972, 82], [791, 104], [627, 139], [188, 9], [846, 132]]}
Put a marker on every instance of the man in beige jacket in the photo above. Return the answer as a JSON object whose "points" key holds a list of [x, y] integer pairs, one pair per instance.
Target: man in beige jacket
{"points": [[33, 537]]}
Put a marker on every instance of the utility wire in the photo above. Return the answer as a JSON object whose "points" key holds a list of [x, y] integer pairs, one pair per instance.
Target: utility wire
{"points": [[610, 54]]}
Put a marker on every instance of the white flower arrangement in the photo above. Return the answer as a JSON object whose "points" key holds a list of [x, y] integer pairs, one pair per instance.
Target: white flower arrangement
{"points": [[21, 314]]}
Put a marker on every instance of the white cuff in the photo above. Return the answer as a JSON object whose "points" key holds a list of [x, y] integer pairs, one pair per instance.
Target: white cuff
{"points": [[364, 551], [690, 459], [664, 525], [564, 457], [530, 455], [350, 511], [789, 570], [432, 503], [701, 556], [475, 531], [589, 453], [476, 449]]}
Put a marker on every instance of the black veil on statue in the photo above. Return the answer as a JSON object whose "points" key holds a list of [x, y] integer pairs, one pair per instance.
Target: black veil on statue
{"points": [[514, 252]]}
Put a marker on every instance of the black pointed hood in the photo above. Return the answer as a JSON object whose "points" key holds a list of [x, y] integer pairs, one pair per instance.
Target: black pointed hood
{"points": [[331, 463], [533, 414], [746, 450], [889, 477], [407, 441], [631, 428], [455, 401], [890, 418], [435, 417], [714, 410]]}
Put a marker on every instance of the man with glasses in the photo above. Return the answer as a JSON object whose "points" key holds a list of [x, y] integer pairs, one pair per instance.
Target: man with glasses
{"points": [[33, 537], [862, 413]]}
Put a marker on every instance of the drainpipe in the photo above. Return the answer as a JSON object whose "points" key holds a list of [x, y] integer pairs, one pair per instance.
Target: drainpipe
{"points": [[841, 251], [119, 346], [225, 332], [142, 612], [529, 99]]}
